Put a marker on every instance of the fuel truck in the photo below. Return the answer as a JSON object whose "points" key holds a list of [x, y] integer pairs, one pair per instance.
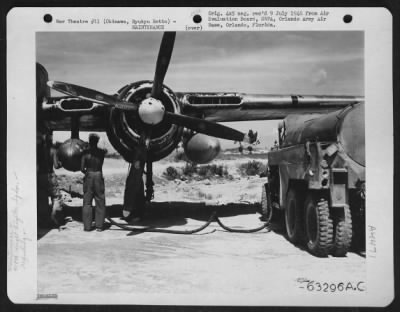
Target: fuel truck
{"points": [[316, 178]]}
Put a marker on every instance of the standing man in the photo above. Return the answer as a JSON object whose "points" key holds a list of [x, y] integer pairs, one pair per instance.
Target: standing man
{"points": [[93, 185]]}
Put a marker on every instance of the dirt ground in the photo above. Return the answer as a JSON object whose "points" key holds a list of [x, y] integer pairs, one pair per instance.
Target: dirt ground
{"points": [[213, 190], [211, 262]]}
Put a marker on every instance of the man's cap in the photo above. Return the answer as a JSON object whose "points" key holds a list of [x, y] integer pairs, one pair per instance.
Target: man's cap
{"points": [[94, 137]]}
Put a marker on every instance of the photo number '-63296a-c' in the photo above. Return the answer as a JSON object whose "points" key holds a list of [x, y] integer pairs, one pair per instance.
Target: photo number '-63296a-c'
{"points": [[331, 287]]}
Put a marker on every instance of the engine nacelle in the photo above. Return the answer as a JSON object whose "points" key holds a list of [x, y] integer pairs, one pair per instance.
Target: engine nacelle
{"points": [[201, 148], [70, 153], [124, 127]]}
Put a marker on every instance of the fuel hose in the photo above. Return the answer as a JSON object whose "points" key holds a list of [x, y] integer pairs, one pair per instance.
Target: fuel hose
{"points": [[213, 217], [254, 230], [158, 230]]}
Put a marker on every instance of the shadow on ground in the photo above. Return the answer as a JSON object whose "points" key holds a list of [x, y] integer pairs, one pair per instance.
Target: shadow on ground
{"points": [[194, 210], [166, 214]]}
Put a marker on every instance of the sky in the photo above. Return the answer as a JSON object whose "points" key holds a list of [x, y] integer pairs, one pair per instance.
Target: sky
{"points": [[302, 62]]}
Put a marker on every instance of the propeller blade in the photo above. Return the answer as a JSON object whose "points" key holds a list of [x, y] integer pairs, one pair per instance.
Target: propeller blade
{"points": [[134, 198], [164, 57], [206, 127], [134, 188], [91, 95]]}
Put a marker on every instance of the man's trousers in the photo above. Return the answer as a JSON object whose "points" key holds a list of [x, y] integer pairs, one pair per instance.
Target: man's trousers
{"points": [[93, 187]]}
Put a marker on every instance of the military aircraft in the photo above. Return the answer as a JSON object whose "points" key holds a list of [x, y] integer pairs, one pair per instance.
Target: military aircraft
{"points": [[146, 120]]}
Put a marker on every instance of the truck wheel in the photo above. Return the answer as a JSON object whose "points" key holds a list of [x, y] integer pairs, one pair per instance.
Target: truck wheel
{"points": [[343, 234], [319, 226], [266, 206], [294, 217]]}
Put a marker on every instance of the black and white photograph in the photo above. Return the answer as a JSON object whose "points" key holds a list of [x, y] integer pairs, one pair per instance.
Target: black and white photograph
{"points": [[158, 163], [202, 167]]}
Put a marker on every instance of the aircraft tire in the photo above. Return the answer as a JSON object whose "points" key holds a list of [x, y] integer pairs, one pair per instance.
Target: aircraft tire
{"points": [[343, 234], [294, 217], [318, 225]]}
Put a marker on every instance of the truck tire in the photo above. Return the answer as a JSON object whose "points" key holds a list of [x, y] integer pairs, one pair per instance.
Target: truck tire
{"points": [[319, 226], [294, 217], [266, 206], [343, 234]]}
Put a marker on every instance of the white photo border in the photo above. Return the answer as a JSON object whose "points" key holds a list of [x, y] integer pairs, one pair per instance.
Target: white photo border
{"points": [[22, 25]]}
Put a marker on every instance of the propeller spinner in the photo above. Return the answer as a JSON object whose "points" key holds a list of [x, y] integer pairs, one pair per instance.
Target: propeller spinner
{"points": [[151, 111]]}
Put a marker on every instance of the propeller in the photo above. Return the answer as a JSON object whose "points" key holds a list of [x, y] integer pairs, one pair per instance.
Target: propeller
{"points": [[163, 59], [150, 110]]}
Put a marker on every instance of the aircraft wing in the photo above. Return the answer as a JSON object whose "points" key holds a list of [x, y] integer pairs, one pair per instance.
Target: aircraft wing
{"points": [[221, 107], [216, 107]]}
